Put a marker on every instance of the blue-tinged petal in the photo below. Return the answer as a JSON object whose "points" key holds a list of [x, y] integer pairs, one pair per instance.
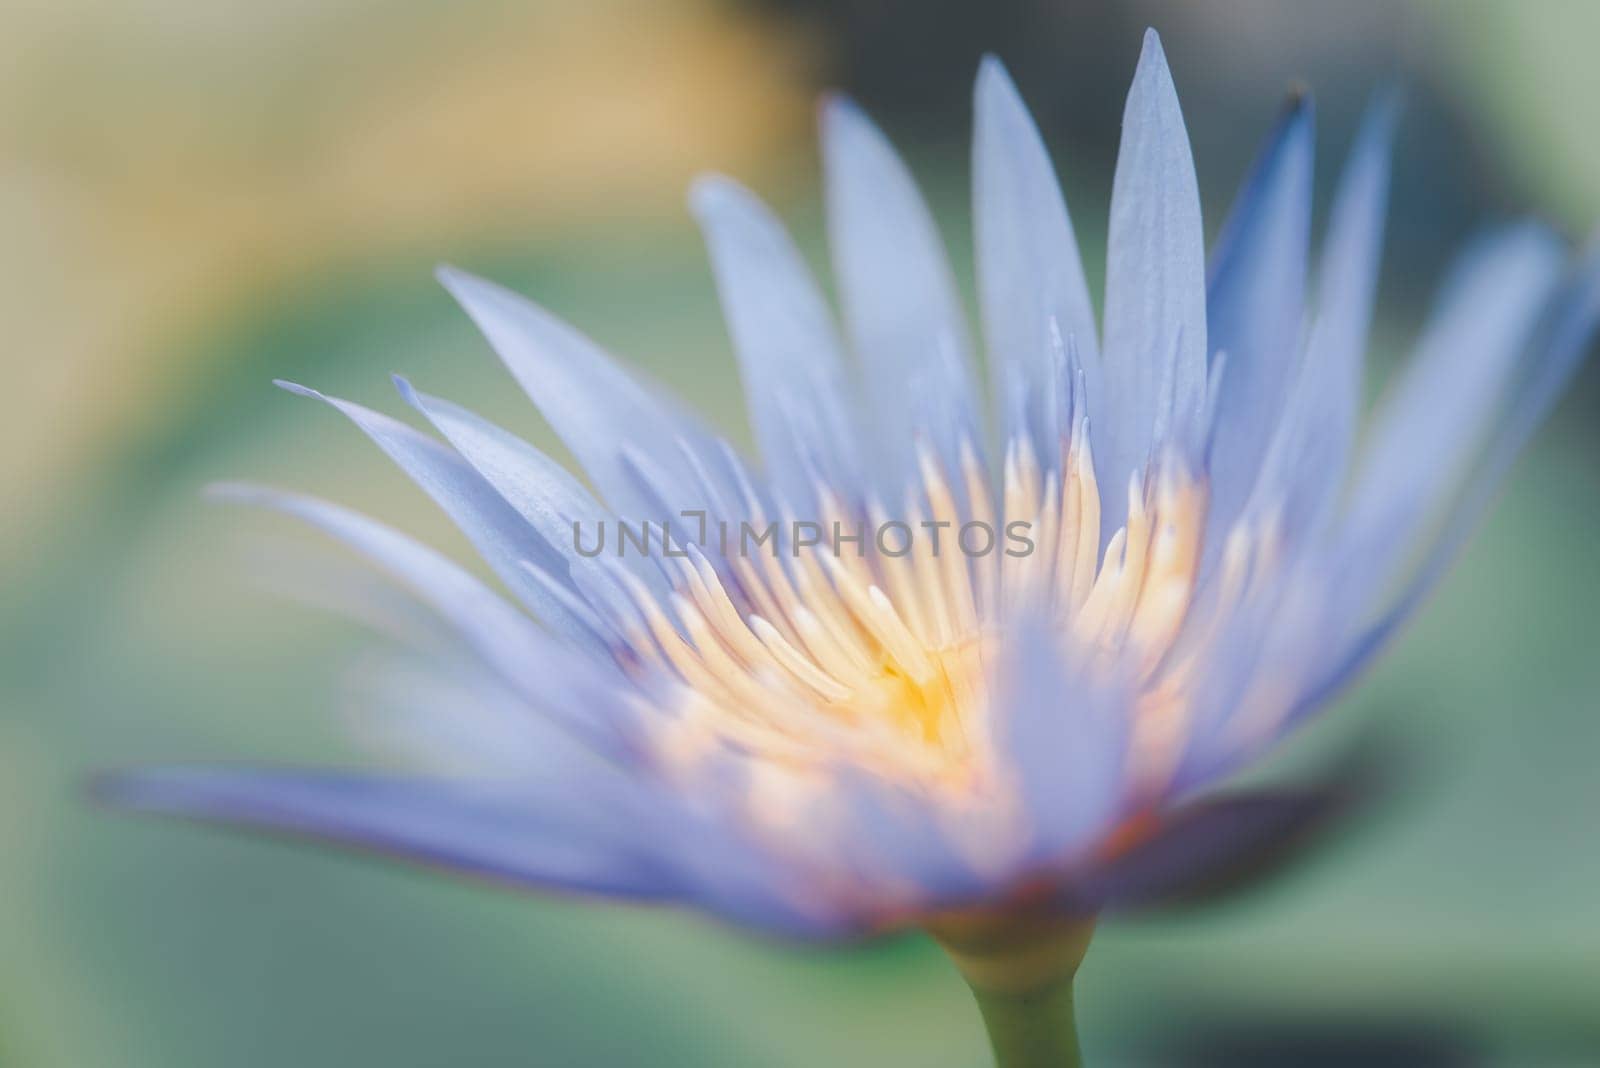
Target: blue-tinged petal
{"points": [[501, 537], [594, 404], [789, 350], [1261, 652], [1065, 737], [449, 717], [900, 302], [1436, 416], [1155, 316], [541, 491], [1560, 347], [581, 830], [1036, 308], [1255, 308], [320, 576], [1563, 340], [578, 691], [892, 843], [559, 836], [1310, 454]]}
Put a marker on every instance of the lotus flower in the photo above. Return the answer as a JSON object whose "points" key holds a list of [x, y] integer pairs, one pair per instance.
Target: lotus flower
{"points": [[798, 710]]}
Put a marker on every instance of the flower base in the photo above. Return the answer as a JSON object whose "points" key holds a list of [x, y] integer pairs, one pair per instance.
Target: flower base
{"points": [[1020, 969]]}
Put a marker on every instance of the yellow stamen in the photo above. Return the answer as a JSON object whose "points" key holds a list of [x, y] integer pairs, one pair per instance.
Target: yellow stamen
{"points": [[815, 658]]}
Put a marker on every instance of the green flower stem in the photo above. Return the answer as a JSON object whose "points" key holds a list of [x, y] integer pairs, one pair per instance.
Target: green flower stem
{"points": [[1031, 1029], [1020, 969]]}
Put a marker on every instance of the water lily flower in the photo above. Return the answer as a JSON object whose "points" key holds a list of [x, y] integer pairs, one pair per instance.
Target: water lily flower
{"points": [[1163, 548]]}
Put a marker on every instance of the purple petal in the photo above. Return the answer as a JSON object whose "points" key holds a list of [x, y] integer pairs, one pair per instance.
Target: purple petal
{"points": [[1212, 848]]}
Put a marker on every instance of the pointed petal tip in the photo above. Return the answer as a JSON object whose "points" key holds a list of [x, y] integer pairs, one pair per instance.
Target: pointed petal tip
{"points": [[1151, 47], [297, 389], [832, 101], [1375, 136], [1294, 132], [1387, 102], [1152, 78], [449, 274], [407, 391], [464, 286], [993, 76], [840, 116], [711, 193], [110, 788], [1299, 103], [237, 493], [996, 98], [132, 789]]}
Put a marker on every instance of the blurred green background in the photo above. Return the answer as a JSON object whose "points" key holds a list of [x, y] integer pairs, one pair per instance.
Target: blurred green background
{"points": [[197, 197]]}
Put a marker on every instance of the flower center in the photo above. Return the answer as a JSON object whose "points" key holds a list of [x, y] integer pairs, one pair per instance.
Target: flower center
{"points": [[883, 660]]}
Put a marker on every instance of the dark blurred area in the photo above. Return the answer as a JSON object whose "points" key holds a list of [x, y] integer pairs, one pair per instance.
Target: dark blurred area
{"points": [[201, 196]]}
